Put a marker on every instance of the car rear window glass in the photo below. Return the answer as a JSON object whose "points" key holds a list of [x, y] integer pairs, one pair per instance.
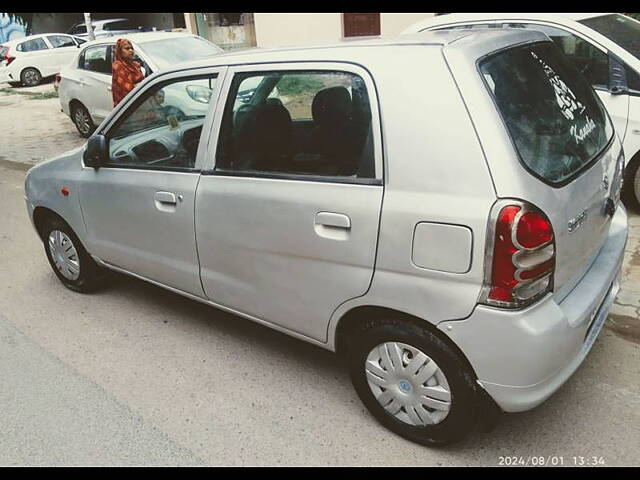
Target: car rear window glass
{"points": [[618, 28], [32, 45], [557, 122]]}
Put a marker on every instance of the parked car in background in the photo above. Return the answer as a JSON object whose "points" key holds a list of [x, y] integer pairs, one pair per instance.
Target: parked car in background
{"points": [[604, 47], [27, 60], [85, 84], [106, 28], [424, 206]]}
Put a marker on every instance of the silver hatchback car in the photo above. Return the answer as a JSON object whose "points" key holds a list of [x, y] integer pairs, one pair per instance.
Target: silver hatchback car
{"points": [[443, 210]]}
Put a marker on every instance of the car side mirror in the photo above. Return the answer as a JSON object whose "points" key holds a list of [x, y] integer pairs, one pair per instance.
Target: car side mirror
{"points": [[96, 153]]}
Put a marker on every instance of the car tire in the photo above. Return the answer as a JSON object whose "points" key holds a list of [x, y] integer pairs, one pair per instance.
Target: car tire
{"points": [[68, 258], [82, 120], [30, 77], [435, 424], [631, 187]]}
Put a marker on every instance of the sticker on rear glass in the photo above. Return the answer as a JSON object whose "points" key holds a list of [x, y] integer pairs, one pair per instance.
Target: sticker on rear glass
{"points": [[569, 105]]}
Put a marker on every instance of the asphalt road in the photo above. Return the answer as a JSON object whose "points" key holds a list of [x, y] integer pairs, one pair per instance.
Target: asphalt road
{"points": [[136, 375]]}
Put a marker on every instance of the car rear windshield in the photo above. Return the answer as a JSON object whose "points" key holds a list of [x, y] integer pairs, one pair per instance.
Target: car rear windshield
{"points": [[174, 50], [557, 122], [618, 28]]}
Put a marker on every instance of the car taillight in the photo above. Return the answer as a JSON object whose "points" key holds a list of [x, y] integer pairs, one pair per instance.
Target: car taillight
{"points": [[522, 255], [7, 57]]}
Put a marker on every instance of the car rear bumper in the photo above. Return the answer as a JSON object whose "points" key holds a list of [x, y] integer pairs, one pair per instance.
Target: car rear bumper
{"points": [[522, 357]]}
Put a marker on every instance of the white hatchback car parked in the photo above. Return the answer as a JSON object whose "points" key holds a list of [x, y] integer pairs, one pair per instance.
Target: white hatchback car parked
{"points": [[604, 47], [27, 60], [461, 247], [85, 84]]}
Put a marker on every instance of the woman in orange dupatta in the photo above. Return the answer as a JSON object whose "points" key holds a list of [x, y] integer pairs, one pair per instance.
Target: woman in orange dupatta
{"points": [[126, 73]]}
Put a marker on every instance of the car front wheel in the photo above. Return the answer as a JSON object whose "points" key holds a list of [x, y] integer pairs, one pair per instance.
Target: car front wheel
{"points": [[69, 260], [414, 383], [631, 187]]}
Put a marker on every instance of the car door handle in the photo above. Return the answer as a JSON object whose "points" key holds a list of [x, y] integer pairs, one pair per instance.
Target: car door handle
{"points": [[166, 197], [336, 220]]}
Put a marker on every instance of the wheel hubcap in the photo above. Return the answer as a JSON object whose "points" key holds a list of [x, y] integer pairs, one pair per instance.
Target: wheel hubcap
{"points": [[31, 77], [408, 384], [64, 255], [82, 120]]}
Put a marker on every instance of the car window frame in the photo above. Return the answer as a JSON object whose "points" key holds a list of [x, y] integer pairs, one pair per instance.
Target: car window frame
{"points": [[82, 54], [44, 40], [112, 120], [333, 66]]}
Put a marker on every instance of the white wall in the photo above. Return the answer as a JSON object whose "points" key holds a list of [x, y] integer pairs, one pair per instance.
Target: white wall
{"points": [[392, 24], [284, 29], [287, 29]]}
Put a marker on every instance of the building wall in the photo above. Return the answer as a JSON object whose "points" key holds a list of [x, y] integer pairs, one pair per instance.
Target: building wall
{"points": [[284, 29], [393, 23]]}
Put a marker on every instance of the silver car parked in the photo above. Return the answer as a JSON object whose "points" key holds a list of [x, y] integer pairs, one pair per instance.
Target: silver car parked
{"points": [[442, 210]]}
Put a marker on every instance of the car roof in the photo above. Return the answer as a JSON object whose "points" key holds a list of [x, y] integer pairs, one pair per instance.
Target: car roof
{"points": [[139, 38], [352, 49], [469, 17], [16, 41]]}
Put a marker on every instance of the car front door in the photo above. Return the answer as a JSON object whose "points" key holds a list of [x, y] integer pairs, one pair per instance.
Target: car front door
{"points": [[139, 207], [287, 218]]}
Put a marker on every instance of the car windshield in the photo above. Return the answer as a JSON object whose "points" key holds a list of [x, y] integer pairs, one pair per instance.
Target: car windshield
{"points": [[173, 50], [618, 28]]}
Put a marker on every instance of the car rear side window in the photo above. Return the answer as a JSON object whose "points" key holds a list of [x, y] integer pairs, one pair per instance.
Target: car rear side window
{"points": [[555, 119], [32, 45], [96, 59], [59, 41], [312, 123]]}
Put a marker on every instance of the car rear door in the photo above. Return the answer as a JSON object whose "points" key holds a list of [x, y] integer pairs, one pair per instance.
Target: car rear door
{"points": [[287, 227], [94, 78]]}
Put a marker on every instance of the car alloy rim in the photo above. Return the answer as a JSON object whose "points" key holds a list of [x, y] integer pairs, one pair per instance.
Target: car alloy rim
{"points": [[64, 255], [31, 77], [408, 384], [82, 120]]}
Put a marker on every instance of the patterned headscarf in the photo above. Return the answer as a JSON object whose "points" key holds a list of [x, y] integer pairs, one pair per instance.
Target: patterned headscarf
{"points": [[126, 73]]}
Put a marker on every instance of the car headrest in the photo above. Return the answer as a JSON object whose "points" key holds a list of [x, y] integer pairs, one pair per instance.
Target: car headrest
{"points": [[332, 105]]}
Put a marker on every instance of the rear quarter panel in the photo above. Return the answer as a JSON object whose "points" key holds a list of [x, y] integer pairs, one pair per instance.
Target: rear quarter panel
{"points": [[435, 171]]}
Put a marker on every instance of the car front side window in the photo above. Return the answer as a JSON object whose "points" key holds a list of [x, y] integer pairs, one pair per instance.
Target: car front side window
{"points": [[161, 130]]}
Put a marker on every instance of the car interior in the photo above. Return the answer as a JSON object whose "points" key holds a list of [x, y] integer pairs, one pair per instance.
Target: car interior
{"points": [[262, 137]]}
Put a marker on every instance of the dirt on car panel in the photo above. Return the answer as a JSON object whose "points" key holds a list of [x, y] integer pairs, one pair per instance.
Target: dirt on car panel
{"points": [[624, 326]]}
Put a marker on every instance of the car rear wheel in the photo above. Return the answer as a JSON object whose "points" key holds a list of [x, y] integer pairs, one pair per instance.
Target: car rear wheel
{"points": [[82, 120], [30, 77], [414, 383], [69, 260], [631, 186]]}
